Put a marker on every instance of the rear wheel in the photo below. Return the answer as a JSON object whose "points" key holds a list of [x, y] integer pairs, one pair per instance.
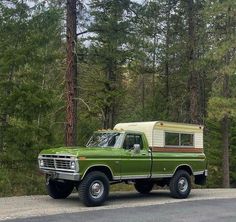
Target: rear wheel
{"points": [[180, 184], [143, 187], [94, 189], [59, 189]]}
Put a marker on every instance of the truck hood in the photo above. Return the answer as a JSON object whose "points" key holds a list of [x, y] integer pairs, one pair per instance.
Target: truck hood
{"points": [[80, 151]]}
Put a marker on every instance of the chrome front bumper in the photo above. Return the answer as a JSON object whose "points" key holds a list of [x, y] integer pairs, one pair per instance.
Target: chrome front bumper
{"points": [[61, 175]]}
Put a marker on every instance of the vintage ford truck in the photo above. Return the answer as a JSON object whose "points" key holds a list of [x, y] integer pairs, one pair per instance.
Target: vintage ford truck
{"points": [[143, 153]]}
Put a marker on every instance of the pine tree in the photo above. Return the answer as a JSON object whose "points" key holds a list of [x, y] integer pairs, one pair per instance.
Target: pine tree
{"points": [[71, 74], [110, 27], [222, 22], [30, 49]]}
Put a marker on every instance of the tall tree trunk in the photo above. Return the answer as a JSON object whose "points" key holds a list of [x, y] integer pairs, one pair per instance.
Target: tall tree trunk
{"points": [[110, 86], [225, 144], [71, 75], [193, 75], [109, 115], [167, 46], [4, 116], [225, 136], [3, 126], [143, 97], [225, 121], [153, 76]]}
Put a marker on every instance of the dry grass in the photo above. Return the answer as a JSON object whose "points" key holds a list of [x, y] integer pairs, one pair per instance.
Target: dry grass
{"points": [[122, 187]]}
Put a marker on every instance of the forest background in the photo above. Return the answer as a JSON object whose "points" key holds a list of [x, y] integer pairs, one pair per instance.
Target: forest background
{"points": [[172, 60]]}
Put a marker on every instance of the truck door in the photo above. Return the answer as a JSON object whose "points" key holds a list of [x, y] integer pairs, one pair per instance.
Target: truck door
{"points": [[135, 164]]}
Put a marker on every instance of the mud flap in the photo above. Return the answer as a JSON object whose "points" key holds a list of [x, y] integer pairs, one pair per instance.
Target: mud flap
{"points": [[200, 179]]}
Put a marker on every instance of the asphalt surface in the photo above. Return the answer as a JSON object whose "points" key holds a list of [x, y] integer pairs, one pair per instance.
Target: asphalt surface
{"points": [[202, 205], [193, 211]]}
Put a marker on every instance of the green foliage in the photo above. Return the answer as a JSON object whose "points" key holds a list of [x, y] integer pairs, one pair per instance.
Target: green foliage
{"points": [[218, 107], [29, 51], [213, 150], [18, 181], [133, 59]]}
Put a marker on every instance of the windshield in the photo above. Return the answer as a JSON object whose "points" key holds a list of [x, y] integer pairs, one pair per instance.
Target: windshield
{"points": [[104, 139]]}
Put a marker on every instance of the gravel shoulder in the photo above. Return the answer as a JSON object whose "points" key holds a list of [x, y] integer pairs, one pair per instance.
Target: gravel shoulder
{"points": [[30, 206]]}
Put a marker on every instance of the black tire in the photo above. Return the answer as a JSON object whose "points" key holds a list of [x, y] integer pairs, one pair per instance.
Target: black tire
{"points": [[143, 187], [94, 189], [59, 190], [180, 184]]}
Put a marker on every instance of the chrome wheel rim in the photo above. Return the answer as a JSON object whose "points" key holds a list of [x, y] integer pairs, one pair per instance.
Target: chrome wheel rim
{"points": [[183, 184], [96, 189]]}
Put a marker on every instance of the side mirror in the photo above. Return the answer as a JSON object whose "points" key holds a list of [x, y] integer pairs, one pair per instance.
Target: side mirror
{"points": [[137, 148]]}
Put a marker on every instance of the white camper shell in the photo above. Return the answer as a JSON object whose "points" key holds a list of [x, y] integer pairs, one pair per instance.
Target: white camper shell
{"points": [[161, 134]]}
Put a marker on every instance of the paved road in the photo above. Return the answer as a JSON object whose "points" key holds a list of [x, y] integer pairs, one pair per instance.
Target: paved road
{"points": [[122, 204], [221, 210]]}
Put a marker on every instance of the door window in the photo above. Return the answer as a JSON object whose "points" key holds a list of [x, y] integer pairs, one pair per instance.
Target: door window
{"points": [[132, 139]]}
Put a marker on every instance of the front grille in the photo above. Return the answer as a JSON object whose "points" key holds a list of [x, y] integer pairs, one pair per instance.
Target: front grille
{"points": [[49, 163], [63, 164], [57, 162]]}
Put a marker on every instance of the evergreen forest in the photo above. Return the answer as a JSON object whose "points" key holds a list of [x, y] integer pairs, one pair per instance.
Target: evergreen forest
{"points": [[136, 60]]}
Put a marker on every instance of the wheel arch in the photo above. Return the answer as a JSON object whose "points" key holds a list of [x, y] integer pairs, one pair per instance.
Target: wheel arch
{"points": [[185, 167], [101, 168]]}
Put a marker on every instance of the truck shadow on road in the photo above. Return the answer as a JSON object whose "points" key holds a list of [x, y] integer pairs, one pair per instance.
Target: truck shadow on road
{"points": [[131, 197], [138, 196]]}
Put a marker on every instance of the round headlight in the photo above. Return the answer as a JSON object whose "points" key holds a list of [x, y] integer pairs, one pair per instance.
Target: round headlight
{"points": [[72, 165], [41, 163]]}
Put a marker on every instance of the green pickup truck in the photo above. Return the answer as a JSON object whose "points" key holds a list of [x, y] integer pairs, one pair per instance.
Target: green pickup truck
{"points": [[143, 153]]}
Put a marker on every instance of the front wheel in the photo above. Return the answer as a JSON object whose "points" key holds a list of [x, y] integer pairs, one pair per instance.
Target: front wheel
{"points": [[180, 184], [143, 187], [57, 189], [94, 189]]}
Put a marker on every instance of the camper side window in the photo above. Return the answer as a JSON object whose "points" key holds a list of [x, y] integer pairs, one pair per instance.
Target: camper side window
{"points": [[172, 139], [186, 139], [179, 139]]}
